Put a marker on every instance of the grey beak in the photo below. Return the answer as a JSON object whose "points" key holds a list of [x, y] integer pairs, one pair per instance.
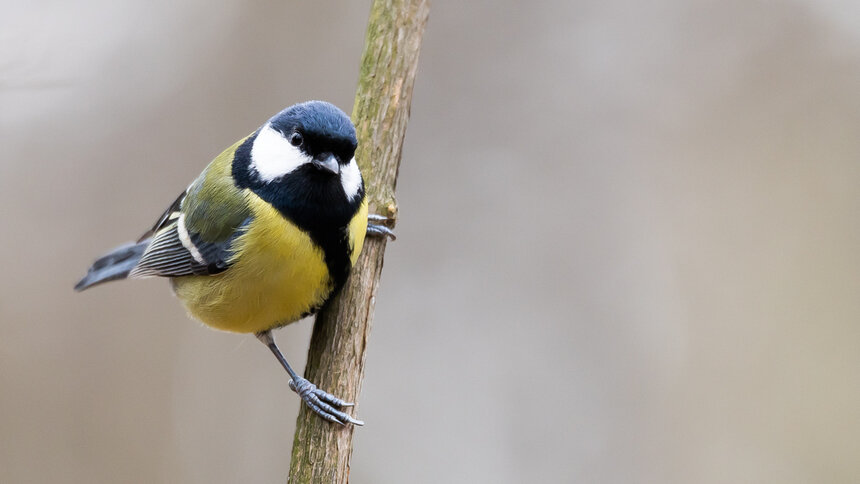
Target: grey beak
{"points": [[328, 163]]}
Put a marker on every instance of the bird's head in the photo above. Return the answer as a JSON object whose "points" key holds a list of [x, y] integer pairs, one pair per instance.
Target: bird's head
{"points": [[305, 150]]}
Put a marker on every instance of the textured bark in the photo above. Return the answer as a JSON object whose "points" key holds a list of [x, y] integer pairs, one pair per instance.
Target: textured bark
{"points": [[321, 450]]}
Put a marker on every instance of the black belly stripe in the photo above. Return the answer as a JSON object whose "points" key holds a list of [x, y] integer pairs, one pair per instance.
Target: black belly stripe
{"points": [[336, 249]]}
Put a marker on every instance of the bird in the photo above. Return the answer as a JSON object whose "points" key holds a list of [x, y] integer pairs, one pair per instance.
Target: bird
{"points": [[264, 236]]}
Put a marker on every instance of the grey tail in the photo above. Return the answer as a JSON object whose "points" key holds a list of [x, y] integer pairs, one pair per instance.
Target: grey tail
{"points": [[114, 265]]}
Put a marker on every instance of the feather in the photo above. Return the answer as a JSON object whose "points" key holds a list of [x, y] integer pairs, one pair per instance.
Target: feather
{"points": [[114, 265]]}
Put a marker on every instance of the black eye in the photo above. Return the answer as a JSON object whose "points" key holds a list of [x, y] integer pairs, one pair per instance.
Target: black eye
{"points": [[296, 139]]}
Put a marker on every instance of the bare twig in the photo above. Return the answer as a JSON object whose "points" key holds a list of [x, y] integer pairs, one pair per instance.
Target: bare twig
{"points": [[321, 450]]}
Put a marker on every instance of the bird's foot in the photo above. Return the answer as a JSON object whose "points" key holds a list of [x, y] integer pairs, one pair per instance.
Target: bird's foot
{"points": [[323, 403], [379, 230]]}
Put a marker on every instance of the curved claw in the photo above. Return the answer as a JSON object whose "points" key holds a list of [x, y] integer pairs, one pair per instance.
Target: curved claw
{"points": [[323, 403], [331, 399], [380, 231], [376, 226]]}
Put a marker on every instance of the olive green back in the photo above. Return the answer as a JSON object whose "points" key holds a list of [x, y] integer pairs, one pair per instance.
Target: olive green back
{"points": [[214, 207]]}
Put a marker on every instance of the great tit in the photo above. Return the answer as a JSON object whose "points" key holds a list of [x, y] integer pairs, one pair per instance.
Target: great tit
{"points": [[264, 236]]}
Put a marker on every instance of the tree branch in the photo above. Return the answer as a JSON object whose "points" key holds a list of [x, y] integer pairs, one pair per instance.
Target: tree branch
{"points": [[321, 450]]}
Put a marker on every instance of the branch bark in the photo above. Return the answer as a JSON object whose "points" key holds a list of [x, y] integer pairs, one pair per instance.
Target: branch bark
{"points": [[321, 450]]}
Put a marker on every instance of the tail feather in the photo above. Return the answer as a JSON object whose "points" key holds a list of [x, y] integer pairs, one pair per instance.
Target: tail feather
{"points": [[114, 265]]}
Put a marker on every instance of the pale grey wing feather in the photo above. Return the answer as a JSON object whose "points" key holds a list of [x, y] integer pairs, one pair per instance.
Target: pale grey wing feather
{"points": [[167, 256]]}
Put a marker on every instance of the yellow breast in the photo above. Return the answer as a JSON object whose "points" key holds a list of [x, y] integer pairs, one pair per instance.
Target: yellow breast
{"points": [[278, 275]]}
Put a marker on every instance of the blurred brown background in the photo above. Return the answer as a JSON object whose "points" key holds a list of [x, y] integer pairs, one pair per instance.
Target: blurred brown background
{"points": [[628, 249]]}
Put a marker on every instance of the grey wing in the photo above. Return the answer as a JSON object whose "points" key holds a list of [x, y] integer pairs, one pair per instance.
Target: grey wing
{"points": [[175, 252]]}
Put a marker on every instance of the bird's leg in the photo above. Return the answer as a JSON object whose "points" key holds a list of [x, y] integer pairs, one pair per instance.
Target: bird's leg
{"points": [[320, 402], [379, 230]]}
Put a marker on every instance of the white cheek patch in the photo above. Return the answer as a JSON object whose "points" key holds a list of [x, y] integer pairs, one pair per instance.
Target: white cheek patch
{"points": [[350, 179], [272, 156]]}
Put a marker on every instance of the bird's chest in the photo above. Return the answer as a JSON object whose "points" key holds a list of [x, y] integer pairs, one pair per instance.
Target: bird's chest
{"points": [[278, 275]]}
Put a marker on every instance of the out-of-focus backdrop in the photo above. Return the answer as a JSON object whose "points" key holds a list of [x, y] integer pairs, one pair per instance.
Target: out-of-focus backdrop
{"points": [[628, 249]]}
